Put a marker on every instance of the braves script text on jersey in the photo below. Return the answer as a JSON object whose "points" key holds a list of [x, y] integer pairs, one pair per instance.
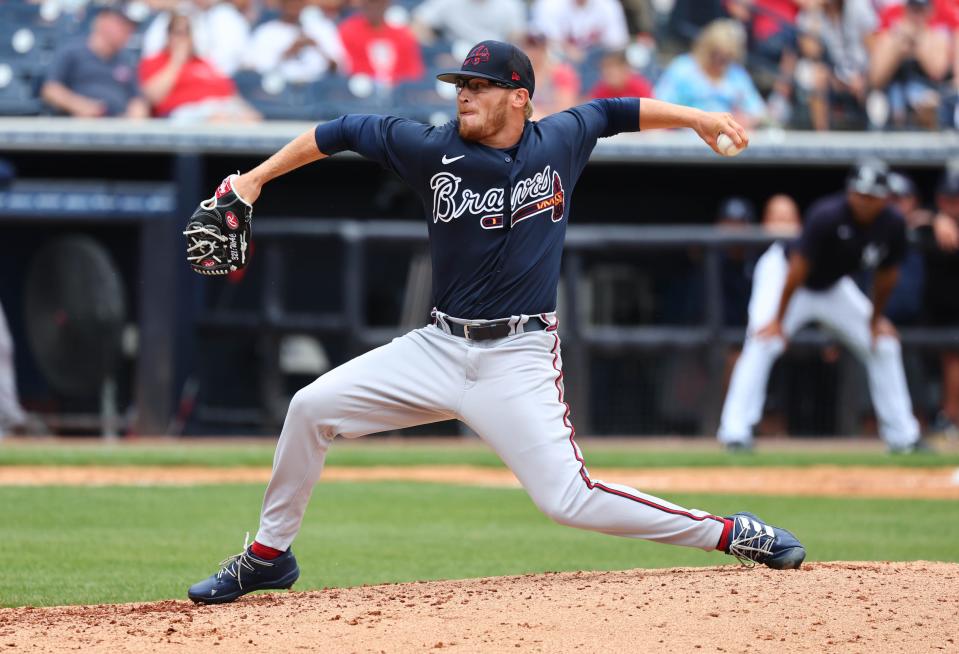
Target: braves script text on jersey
{"points": [[497, 220]]}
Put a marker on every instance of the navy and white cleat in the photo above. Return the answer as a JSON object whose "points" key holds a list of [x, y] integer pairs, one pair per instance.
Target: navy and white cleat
{"points": [[244, 573], [753, 541]]}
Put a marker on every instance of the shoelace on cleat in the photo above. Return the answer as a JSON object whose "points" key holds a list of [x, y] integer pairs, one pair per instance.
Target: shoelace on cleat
{"points": [[234, 565], [753, 544]]}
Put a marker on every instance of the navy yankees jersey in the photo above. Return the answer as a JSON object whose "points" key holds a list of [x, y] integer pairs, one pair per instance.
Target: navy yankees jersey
{"points": [[497, 218], [836, 245]]}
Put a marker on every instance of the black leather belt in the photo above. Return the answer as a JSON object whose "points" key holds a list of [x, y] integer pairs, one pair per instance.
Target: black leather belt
{"points": [[489, 331]]}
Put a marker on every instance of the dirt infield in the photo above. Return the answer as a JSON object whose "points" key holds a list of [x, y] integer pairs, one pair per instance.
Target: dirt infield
{"points": [[824, 607], [931, 483]]}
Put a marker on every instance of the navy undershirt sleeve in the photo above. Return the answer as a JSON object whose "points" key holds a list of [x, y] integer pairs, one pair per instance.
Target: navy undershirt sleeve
{"points": [[622, 115]]}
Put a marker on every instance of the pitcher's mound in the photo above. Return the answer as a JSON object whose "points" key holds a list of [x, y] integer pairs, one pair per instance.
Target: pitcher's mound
{"points": [[824, 607]]}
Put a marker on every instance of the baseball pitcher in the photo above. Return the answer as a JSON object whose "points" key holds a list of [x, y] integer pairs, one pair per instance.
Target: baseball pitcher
{"points": [[496, 190]]}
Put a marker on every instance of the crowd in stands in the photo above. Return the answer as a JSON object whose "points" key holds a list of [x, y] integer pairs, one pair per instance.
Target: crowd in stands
{"points": [[799, 64]]}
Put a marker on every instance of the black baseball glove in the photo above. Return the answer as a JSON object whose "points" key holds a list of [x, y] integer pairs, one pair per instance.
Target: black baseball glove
{"points": [[219, 232]]}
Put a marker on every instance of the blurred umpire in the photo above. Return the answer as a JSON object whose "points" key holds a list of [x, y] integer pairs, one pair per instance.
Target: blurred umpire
{"points": [[808, 281]]}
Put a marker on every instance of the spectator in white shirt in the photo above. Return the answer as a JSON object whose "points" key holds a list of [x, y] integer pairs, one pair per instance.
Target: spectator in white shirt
{"points": [[301, 49], [471, 21], [580, 25], [220, 31]]}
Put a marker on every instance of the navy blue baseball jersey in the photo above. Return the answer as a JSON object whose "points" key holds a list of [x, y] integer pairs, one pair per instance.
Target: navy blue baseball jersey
{"points": [[497, 218], [836, 245]]}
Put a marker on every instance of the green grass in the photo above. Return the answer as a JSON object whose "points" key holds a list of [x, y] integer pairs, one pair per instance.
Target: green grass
{"points": [[371, 453], [66, 545]]}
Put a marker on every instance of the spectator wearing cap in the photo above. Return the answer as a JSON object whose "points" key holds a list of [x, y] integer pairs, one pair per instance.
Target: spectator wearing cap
{"points": [[388, 53], [941, 298], [96, 77], [909, 58], [183, 86], [834, 64], [712, 78], [619, 80], [296, 50], [470, 21]]}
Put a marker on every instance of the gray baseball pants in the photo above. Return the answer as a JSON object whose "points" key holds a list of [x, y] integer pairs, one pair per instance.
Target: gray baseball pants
{"points": [[11, 413], [508, 390]]}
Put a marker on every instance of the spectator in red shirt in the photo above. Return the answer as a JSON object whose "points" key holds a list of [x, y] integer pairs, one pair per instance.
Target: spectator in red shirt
{"points": [[619, 80], [910, 57], [181, 85], [387, 53]]}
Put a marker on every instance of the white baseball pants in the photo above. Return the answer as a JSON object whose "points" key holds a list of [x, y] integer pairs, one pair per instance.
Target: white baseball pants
{"points": [[844, 310], [11, 414], [508, 390]]}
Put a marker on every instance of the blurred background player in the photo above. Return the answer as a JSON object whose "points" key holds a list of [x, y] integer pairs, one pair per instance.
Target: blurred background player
{"points": [[843, 233]]}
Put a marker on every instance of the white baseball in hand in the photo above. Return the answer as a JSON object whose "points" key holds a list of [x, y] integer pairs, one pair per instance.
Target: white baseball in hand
{"points": [[727, 147]]}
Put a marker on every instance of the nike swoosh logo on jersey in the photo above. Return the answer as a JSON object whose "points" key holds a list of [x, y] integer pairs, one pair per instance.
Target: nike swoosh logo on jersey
{"points": [[449, 160]]}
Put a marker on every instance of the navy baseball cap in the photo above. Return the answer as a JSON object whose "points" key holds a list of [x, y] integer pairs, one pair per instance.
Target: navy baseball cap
{"points": [[900, 185], [869, 177], [498, 62]]}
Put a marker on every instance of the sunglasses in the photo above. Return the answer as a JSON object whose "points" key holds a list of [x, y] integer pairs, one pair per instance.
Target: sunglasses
{"points": [[478, 84]]}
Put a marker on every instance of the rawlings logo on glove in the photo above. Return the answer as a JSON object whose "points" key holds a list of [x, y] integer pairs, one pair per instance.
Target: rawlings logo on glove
{"points": [[218, 233]]}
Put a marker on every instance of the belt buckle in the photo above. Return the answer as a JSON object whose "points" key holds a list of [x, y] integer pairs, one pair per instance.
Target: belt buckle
{"points": [[466, 331]]}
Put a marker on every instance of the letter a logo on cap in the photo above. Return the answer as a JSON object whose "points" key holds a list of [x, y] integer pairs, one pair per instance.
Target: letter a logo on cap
{"points": [[515, 76], [477, 56]]}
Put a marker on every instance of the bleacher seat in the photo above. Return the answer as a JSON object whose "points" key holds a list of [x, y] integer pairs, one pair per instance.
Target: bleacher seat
{"points": [[438, 54], [335, 95], [17, 93], [274, 98]]}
